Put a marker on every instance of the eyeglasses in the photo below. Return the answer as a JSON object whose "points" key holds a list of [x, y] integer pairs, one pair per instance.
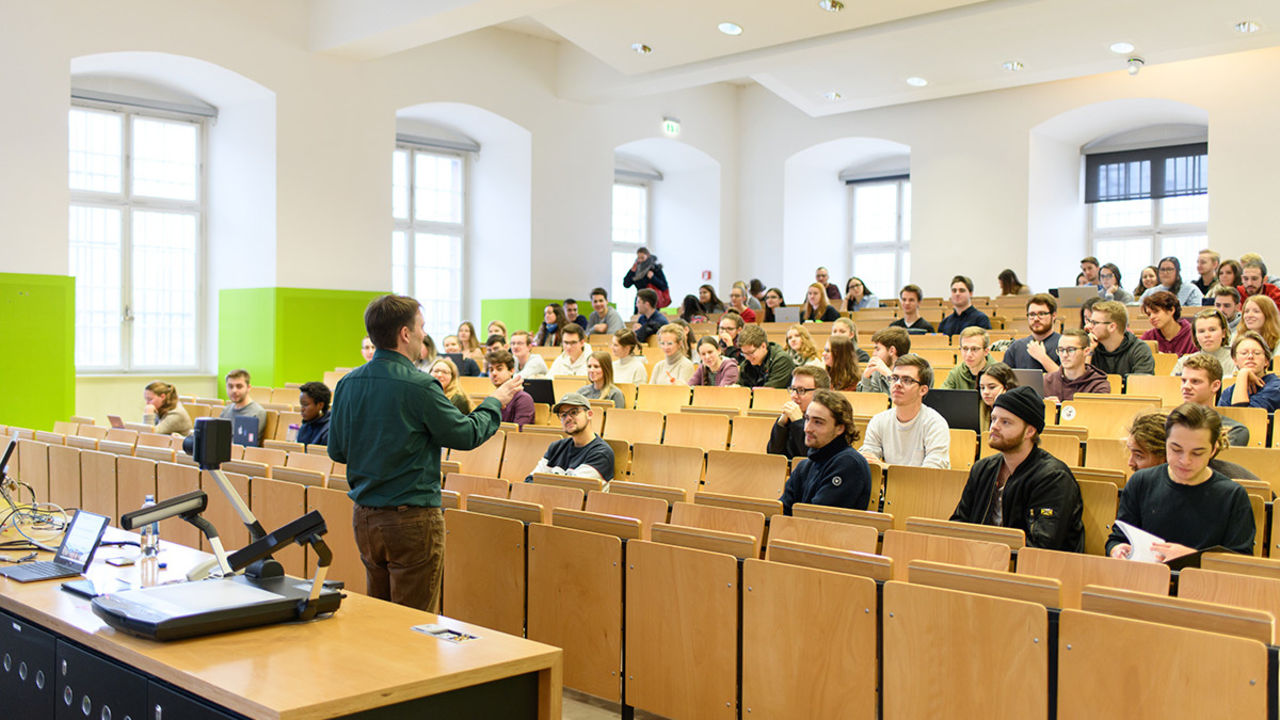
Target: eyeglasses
{"points": [[1106, 275], [1243, 352], [971, 348], [802, 391], [566, 414], [1067, 350], [906, 380], [1038, 314]]}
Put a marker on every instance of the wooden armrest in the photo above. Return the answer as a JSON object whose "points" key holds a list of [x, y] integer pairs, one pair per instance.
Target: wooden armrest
{"points": [[525, 512], [876, 567], [586, 485], [1013, 537], [624, 528], [767, 507], [878, 520], [735, 544], [662, 492]]}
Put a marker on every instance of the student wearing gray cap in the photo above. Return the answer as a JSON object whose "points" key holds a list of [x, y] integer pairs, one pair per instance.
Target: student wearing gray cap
{"points": [[1024, 486], [583, 453]]}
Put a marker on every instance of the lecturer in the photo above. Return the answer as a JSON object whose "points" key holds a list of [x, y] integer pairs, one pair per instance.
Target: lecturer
{"points": [[389, 423]]}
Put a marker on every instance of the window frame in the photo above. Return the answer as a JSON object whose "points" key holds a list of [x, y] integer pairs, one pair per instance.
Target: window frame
{"points": [[1155, 233], [900, 246], [127, 203], [645, 182], [411, 226]]}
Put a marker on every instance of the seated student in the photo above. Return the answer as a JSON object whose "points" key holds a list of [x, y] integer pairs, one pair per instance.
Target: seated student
{"points": [[1256, 385], [995, 380], [628, 364], [963, 313], [800, 347], [846, 327], [709, 301], [571, 313], [469, 343], [1231, 275], [1251, 258], [495, 342], [600, 380], [1226, 300], [1010, 285], [648, 319], [239, 404], [832, 474], [766, 364], [467, 367], [675, 368], [841, 364], [1118, 351], [858, 297], [1211, 333], [787, 435], [573, 359], [691, 310], [1171, 331], [1076, 375], [738, 302], [889, 344], [823, 279], [583, 454], [502, 367], [1201, 381], [974, 344], [603, 319], [426, 354], [162, 403], [1110, 277], [1253, 281], [715, 369], [909, 433], [1207, 262], [816, 308], [528, 363], [772, 301], [553, 324], [755, 294], [1169, 272], [1145, 442], [1259, 314], [731, 323], [446, 373], [1184, 501], [1039, 350], [367, 349], [911, 321], [497, 327], [1089, 269], [313, 400], [1023, 486]]}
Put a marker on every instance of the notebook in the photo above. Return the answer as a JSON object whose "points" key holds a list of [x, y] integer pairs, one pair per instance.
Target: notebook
{"points": [[244, 430], [542, 390], [74, 554]]}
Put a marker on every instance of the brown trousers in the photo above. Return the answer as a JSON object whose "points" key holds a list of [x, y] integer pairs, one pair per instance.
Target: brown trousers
{"points": [[403, 553]]}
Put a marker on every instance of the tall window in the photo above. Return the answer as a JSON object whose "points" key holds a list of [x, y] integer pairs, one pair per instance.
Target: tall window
{"points": [[136, 230], [1148, 204], [630, 232], [881, 233], [428, 205]]}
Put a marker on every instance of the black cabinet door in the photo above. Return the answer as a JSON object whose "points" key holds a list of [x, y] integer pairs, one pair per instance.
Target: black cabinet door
{"points": [[165, 703], [26, 669], [92, 686]]}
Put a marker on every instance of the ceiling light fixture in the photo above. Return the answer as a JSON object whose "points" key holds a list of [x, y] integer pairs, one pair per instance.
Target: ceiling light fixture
{"points": [[1012, 65], [1122, 48], [831, 6], [1135, 64], [641, 48], [832, 95], [729, 28], [914, 81], [1247, 27]]}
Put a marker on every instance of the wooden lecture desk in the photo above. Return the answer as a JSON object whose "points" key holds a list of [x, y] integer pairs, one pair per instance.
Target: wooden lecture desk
{"points": [[59, 660]]}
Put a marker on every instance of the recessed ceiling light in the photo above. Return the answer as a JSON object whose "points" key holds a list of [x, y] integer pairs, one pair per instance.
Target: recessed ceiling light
{"points": [[641, 48], [729, 28], [917, 81], [1247, 26], [832, 95], [1122, 48], [834, 6], [1011, 65]]}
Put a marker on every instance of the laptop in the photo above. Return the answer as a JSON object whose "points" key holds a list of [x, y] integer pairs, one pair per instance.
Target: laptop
{"points": [[1031, 378], [116, 421], [244, 430], [962, 409], [542, 390], [787, 314], [74, 554], [1075, 295]]}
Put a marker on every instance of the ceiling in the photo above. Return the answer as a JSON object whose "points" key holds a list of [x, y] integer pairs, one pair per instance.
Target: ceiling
{"points": [[804, 53]]}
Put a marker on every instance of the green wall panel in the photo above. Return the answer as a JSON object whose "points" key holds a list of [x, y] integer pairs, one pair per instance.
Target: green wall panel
{"points": [[38, 366], [247, 334], [517, 313]]}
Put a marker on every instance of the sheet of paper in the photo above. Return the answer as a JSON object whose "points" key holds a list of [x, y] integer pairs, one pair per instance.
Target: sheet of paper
{"points": [[1141, 541]]}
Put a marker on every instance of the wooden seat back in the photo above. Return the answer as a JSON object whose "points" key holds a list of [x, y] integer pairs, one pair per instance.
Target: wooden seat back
{"points": [[634, 426], [705, 431], [483, 460], [647, 510], [1000, 583], [669, 465], [484, 570], [922, 492], [750, 434], [662, 398], [758, 475], [824, 533], [904, 547], [1075, 571], [522, 453]]}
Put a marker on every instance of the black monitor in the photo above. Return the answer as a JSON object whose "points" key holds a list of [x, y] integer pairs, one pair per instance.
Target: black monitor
{"points": [[962, 409]]}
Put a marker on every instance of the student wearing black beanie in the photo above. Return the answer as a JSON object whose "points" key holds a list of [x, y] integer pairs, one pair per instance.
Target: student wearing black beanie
{"points": [[1023, 486]]}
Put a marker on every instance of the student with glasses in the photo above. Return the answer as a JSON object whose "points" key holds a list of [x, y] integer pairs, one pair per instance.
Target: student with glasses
{"points": [[1256, 385], [1109, 276], [1118, 350], [1039, 350], [573, 359], [583, 454], [787, 435], [974, 342], [909, 433], [1076, 374]]}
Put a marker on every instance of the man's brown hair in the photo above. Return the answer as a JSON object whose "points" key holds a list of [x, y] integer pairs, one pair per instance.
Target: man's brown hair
{"points": [[385, 316], [893, 337]]}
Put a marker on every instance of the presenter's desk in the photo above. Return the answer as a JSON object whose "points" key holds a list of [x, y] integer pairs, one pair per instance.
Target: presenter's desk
{"points": [[362, 662]]}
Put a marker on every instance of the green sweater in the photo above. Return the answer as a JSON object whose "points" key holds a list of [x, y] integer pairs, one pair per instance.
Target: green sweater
{"points": [[389, 424], [960, 378]]}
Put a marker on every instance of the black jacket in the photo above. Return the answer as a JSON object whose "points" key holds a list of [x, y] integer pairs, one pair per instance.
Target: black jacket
{"points": [[834, 475], [787, 439], [1041, 498], [1131, 357]]}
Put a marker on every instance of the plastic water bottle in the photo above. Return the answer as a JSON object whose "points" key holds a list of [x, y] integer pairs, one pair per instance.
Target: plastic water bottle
{"points": [[149, 541], [292, 434]]}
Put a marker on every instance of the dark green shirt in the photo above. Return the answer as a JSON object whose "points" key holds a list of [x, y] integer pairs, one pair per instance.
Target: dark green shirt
{"points": [[389, 423]]}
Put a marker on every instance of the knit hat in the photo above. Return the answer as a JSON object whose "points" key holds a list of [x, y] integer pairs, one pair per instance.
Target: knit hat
{"points": [[1024, 402]]}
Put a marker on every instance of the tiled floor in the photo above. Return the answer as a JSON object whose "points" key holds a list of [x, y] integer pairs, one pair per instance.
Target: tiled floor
{"points": [[578, 706]]}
